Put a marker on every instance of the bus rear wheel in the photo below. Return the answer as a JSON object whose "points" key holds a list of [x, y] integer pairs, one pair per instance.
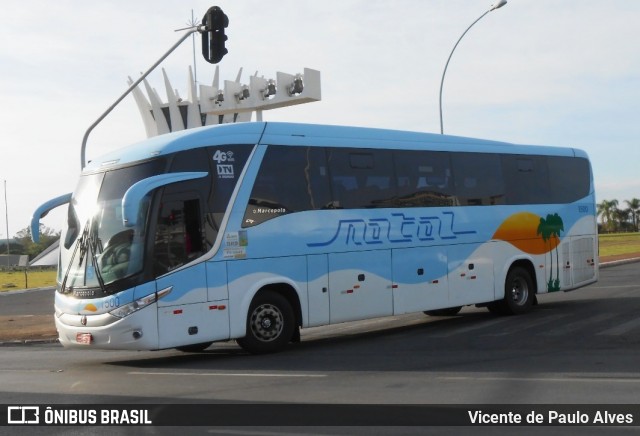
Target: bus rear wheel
{"points": [[270, 324], [519, 294]]}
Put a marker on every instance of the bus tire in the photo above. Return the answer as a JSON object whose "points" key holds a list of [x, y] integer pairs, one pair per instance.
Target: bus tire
{"points": [[450, 311], [270, 324], [519, 294], [194, 348]]}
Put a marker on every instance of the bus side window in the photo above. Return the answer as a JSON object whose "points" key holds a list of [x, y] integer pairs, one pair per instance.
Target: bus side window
{"points": [[569, 178], [290, 179], [478, 179], [526, 179], [362, 178], [424, 178]]}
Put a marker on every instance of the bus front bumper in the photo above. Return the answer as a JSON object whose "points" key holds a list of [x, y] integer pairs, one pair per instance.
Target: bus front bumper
{"points": [[137, 331]]}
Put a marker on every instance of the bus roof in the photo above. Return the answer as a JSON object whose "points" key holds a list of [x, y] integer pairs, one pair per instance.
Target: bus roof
{"points": [[312, 135]]}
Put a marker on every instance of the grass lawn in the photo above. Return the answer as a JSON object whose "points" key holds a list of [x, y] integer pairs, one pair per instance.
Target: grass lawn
{"points": [[615, 244], [12, 280]]}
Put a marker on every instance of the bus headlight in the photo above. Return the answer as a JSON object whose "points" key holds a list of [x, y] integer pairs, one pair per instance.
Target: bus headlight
{"points": [[141, 303], [134, 306]]}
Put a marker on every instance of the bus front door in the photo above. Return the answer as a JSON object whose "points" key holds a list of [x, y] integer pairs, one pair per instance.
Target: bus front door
{"points": [[190, 313]]}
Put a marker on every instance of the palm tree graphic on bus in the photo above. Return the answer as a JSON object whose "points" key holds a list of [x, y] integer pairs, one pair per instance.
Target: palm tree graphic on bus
{"points": [[550, 228], [535, 235]]}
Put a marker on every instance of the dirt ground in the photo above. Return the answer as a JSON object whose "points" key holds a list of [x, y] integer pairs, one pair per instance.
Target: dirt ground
{"points": [[26, 328], [34, 328]]}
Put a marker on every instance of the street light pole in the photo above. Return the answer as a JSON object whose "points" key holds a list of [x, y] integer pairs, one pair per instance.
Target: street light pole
{"points": [[6, 209], [496, 5], [190, 31]]}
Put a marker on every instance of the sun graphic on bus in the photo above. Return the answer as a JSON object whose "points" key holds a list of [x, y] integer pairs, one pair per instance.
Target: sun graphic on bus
{"points": [[534, 234]]}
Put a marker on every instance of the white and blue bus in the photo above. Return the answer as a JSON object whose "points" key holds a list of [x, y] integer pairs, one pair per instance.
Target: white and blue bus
{"points": [[252, 231]]}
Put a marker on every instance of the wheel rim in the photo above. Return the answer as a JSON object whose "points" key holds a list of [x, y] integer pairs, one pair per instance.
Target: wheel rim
{"points": [[519, 291], [267, 322]]}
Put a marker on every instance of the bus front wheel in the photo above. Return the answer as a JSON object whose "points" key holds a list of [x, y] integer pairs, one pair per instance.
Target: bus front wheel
{"points": [[519, 294], [270, 323]]}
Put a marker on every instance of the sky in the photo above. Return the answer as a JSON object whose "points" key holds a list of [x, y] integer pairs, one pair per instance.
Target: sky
{"points": [[546, 72]]}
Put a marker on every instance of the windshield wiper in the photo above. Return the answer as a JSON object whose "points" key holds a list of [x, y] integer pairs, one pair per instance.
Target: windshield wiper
{"points": [[80, 244], [94, 243], [88, 241]]}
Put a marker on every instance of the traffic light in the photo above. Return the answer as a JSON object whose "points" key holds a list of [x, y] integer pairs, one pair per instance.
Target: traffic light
{"points": [[213, 37]]}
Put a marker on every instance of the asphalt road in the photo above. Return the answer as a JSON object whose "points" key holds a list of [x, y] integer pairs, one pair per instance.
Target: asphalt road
{"points": [[581, 347], [29, 302]]}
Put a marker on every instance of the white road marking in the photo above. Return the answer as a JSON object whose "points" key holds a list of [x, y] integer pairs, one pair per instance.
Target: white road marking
{"points": [[586, 322], [611, 287], [621, 329], [227, 374], [475, 326], [555, 379], [261, 433], [530, 325]]}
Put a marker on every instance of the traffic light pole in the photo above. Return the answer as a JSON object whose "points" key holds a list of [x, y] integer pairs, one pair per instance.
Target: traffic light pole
{"points": [[131, 88]]}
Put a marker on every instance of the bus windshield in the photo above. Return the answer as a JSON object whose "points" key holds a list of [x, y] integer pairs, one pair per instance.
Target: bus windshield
{"points": [[98, 249]]}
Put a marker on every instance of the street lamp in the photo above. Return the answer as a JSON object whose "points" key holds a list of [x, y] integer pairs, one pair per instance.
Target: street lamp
{"points": [[496, 5], [6, 211]]}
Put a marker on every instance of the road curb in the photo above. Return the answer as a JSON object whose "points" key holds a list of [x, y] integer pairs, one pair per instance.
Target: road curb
{"points": [[22, 291], [619, 262], [18, 342]]}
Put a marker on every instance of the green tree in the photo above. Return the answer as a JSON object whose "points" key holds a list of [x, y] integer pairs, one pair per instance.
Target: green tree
{"points": [[622, 219], [607, 210], [47, 237], [634, 208]]}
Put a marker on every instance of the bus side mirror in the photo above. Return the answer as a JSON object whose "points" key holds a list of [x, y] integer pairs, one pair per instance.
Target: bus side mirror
{"points": [[134, 195], [42, 211]]}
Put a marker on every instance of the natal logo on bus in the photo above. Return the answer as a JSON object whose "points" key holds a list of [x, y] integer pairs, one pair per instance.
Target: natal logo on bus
{"points": [[399, 228]]}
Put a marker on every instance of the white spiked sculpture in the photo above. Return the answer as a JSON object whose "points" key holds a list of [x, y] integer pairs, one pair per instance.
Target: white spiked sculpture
{"points": [[233, 102]]}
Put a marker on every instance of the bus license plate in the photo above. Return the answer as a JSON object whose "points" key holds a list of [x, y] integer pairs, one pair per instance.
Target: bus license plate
{"points": [[83, 338]]}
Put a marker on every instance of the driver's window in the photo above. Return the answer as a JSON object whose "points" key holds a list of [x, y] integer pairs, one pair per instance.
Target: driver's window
{"points": [[179, 236]]}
